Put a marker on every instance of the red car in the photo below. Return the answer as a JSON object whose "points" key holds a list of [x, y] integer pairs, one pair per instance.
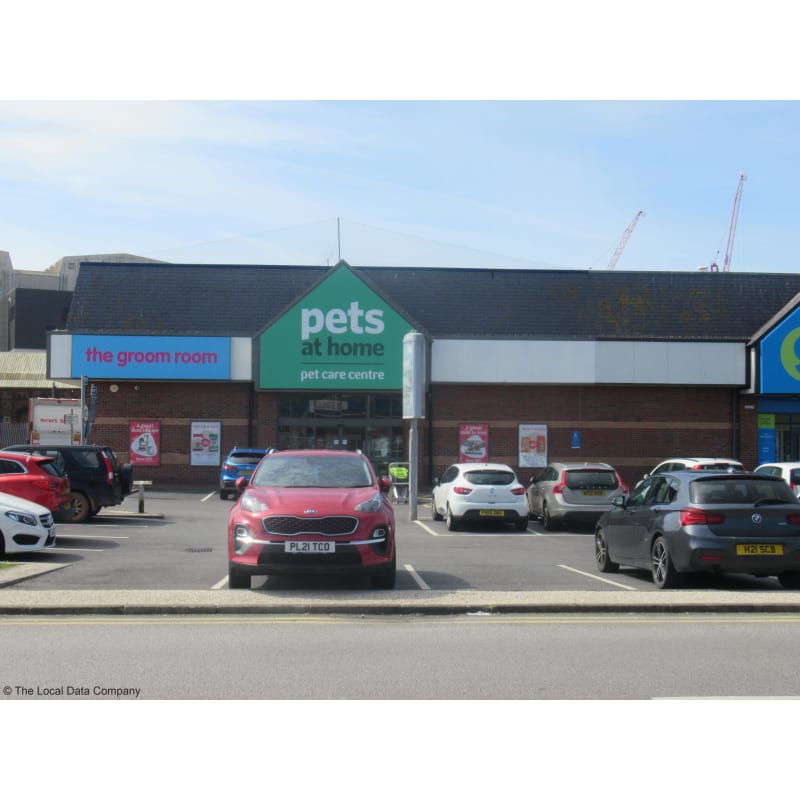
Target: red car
{"points": [[312, 511], [35, 478]]}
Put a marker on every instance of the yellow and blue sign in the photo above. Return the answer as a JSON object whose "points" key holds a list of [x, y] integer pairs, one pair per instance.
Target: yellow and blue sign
{"points": [[780, 357]]}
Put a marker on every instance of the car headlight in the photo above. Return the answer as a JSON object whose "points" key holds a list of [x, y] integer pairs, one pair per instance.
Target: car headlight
{"points": [[21, 516], [371, 505], [252, 504]]}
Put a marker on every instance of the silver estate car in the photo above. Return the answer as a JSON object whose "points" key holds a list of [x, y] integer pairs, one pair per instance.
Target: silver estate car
{"points": [[573, 492], [699, 521]]}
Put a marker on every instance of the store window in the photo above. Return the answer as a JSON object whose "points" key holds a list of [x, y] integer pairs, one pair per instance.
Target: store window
{"points": [[371, 423], [787, 437]]}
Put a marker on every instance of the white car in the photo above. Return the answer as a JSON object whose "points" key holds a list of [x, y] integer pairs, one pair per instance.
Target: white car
{"points": [[479, 492], [788, 470], [681, 464], [24, 526]]}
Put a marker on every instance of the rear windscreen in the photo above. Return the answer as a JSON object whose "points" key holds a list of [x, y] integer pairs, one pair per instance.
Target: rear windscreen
{"points": [[489, 477], [592, 479], [748, 490], [242, 458]]}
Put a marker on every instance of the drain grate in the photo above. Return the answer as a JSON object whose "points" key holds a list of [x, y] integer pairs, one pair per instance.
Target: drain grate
{"points": [[199, 549]]}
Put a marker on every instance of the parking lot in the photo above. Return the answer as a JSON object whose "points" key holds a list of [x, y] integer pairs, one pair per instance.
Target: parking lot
{"points": [[179, 542]]}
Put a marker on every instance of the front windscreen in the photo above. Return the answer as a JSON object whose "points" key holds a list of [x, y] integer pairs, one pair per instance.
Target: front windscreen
{"points": [[312, 472]]}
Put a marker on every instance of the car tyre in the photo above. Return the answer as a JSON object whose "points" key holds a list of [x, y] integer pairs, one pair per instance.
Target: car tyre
{"points": [[437, 517], [223, 494], [452, 523], [665, 576], [521, 524], [548, 522], [81, 508], [790, 580], [604, 563], [386, 579], [237, 579]]}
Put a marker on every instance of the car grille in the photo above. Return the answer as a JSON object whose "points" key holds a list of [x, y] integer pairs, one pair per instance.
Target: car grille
{"points": [[46, 520], [327, 526]]}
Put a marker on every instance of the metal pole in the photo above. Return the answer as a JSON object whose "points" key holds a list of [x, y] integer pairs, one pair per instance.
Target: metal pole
{"points": [[413, 457], [81, 420]]}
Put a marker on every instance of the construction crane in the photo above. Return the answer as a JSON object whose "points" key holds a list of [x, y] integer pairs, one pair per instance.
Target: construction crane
{"points": [[624, 240], [726, 264]]}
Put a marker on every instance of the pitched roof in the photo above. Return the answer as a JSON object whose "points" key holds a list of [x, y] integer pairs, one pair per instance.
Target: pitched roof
{"points": [[27, 369], [453, 302]]}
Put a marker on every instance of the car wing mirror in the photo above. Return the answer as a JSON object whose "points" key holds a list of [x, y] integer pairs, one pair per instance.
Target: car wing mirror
{"points": [[436, 481], [620, 500], [386, 483], [242, 483]]}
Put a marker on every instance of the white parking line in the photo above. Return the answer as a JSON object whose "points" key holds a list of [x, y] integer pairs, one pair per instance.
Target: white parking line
{"points": [[220, 584], [413, 573], [598, 578], [208, 497], [426, 528], [87, 536], [79, 549]]}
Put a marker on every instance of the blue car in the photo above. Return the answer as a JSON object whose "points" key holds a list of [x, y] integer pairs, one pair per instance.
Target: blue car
{"points": [[239, 463]]}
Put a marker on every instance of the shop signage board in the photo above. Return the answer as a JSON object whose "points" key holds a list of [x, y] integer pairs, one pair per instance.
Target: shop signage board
{"points": [[533, 445], [145, 443], [473, 442], [780, 357], [173, 358], [341, 335]]}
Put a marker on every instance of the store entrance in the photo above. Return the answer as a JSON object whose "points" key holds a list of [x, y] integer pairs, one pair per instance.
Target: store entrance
{"points": [[372, 423]]}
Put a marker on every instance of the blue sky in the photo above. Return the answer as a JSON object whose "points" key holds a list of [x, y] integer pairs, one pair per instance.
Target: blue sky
{"points": [[527, 182]]}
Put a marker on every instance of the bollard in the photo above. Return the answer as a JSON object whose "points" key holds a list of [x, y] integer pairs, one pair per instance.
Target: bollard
{"points": [[141, 485]]}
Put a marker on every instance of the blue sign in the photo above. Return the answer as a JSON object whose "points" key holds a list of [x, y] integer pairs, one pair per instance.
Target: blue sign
{"points": [[780, 359], [766, 445], [576, 440], [174, 358]]}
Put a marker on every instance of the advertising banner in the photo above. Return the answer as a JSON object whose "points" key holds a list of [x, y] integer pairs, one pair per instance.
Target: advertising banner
{"points": [[532, 445], [206, 435], [473, 442], [145, 443], [341, 335]]}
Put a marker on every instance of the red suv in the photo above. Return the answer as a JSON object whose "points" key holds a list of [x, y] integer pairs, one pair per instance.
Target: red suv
{"points": [[36, 478], [321, 511]]}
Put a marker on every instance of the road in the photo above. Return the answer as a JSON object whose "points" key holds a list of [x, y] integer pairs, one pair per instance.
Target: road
{"points": [[468, 657]]}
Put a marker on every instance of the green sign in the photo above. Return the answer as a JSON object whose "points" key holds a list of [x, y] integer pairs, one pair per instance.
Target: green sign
{"points": [[341, 335]]}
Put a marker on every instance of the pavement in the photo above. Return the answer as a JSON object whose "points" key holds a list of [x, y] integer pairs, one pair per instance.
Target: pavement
{"points": [[16, 600]]}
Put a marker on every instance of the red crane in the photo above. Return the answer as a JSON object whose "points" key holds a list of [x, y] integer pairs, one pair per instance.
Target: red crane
{"points": [[726, 264], [624, 240]]}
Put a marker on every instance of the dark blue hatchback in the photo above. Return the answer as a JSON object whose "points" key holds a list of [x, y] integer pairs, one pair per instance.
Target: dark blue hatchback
{"points": [[239, 463]]}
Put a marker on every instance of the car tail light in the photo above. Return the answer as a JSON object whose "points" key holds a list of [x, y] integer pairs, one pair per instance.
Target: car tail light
{"points": [[109, 469], [561, 485], [228, 468], [518, 490], [793, 519], [622, 484], [461, 490], [696, 516]]}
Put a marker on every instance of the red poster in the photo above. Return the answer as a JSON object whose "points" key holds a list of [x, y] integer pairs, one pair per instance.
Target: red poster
{"points": [[145, 447], [473, 441]]}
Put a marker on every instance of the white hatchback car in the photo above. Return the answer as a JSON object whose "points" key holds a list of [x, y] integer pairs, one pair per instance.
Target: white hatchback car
{"points": [[681, 464], [479, 492], [788, 470], [24, 526]]}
